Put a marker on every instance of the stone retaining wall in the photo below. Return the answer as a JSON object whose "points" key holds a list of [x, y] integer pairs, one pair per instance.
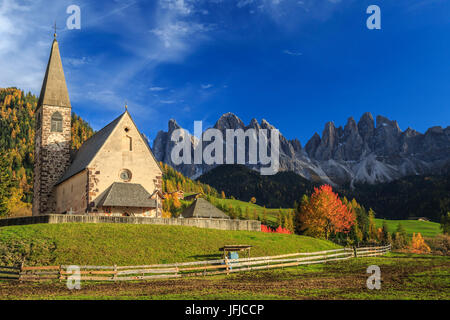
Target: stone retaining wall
{"points": [[222, 224]]}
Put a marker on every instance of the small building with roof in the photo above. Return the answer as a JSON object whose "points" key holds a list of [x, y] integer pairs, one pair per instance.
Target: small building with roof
{"points": [[201, 208]]}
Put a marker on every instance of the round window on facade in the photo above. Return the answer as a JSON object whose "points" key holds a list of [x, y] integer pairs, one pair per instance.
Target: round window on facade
{"points": [[125, 175]]}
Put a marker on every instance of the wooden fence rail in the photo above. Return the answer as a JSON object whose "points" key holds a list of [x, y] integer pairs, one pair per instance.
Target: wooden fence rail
{"points": [[184, 269]]}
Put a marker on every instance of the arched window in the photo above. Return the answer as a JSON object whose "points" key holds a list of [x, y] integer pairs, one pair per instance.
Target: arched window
{"points": [[57, 122]]}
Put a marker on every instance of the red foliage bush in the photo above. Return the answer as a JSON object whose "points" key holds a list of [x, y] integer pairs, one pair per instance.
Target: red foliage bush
{"points": [[267, 229]]}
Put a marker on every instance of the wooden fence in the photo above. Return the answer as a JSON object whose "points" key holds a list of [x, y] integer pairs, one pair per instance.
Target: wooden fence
{"points": [[186, 269]]}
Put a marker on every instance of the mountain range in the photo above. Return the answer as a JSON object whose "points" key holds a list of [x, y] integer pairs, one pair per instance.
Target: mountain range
{"points": [[363, 152]]}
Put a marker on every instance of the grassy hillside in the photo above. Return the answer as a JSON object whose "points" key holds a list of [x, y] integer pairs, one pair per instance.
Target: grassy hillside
{"points": [[107, 244], [426, 228], [271, 213]]}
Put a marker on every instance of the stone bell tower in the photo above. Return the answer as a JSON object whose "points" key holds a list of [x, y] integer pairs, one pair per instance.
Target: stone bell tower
{"points": [[52, 136]]}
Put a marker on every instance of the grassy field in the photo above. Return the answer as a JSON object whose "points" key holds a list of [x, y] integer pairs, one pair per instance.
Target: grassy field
{"points": [[404, 276], [271, 213], [426, 228], [128, 244]]}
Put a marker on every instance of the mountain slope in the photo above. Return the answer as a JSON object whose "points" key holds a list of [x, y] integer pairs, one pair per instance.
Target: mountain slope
{"points": [[279, 190], [361, 152], [408, 197]]}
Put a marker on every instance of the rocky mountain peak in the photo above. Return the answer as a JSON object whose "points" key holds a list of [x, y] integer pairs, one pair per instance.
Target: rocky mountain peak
{"points": [[173, 125], [385, 122], [229, 121], [366, 127], [351, 128], [254, 124], [266, 125], [360, 152]]}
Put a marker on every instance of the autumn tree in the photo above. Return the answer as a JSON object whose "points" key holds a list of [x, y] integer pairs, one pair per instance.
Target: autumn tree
{"points": [[5, 185], [418, 244], [253, 200], [325, 214], [372, 229], [222, 194]]}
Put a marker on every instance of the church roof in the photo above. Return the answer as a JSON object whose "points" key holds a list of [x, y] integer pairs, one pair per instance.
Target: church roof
{"points": [[54, 89], [203, 209], [89, 149], [122, 194]]}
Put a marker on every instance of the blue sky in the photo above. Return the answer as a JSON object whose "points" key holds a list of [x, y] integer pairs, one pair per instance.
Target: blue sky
{"points": [[295, 63]]}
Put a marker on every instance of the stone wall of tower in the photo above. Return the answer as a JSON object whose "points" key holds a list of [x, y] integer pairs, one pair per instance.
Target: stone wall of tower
{"points": [[52, 157]]}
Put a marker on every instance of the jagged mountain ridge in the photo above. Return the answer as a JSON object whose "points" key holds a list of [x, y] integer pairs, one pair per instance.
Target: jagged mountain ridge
{"points": [[360, 152]]}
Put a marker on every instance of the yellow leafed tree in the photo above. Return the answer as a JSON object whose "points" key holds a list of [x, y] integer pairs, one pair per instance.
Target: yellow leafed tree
{"points": [[418, 244]]}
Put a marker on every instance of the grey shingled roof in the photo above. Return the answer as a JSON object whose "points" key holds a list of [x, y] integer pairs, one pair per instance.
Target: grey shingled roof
{"points": [[203, 209], [122, 194], [89, 149]]}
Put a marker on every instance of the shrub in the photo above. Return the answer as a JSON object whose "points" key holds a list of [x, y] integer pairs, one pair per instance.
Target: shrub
{"points": [[439, 245], [280, 229]]}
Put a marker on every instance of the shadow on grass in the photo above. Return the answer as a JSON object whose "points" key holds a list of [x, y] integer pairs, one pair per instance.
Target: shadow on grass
{"points": [[216, 256], [404, 255]]}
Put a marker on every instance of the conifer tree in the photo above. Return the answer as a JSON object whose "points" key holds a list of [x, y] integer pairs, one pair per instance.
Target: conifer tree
{"points": [[264, 217], [445, 223]]}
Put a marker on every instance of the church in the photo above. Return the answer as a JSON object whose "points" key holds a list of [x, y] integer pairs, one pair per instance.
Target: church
{"points": [[113, 173]]}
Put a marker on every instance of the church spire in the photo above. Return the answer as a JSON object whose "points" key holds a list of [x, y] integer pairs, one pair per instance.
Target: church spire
{"points": [[54, 89]]}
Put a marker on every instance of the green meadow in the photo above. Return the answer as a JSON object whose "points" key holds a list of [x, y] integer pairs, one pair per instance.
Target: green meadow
{"points": [[129, 244]]}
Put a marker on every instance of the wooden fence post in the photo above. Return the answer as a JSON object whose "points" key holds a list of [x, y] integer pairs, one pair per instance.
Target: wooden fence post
{"points": [[60, 273], [21, 270], [115, 273]]}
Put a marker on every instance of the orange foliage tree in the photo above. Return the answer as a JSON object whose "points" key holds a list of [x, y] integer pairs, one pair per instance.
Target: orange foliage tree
{"points": [[418, 244], [325, 214]]}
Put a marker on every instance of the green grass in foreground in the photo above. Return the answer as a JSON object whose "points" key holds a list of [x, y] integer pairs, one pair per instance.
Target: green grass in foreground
{"points": [[404, 276], [128, 244], [426, 228]]}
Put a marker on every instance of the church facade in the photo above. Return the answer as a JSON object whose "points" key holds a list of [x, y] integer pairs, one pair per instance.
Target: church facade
{"points": [[112, 173]]}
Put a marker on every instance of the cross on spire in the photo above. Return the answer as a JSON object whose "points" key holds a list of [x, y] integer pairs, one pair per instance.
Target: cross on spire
{"points": [[54, 35]]}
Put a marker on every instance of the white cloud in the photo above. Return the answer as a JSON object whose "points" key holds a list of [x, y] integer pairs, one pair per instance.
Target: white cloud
{"points": [[243, 3], [157, 89], [76, 62], [176, 34], [167, 101], [180, 6], [292, 53], [206, 86], [22, 54]]}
